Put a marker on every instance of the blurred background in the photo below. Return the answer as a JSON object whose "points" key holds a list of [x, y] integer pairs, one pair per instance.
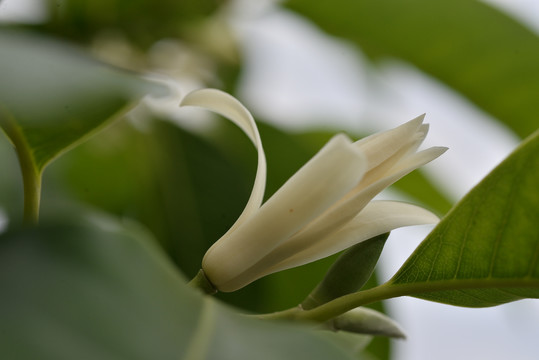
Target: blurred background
{"points": [[306, 70]]}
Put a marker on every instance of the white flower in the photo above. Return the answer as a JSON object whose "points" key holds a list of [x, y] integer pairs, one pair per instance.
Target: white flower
{"points": [[324, 208]]}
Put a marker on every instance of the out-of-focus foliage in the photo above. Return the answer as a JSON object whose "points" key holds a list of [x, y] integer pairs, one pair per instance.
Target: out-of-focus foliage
{"points": [[85, 293], [141, 22], [480, 52], [53, 97], [187, 188]]}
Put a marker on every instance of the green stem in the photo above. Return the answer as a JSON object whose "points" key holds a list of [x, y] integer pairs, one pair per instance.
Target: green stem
{"points": [[390, 290], [200, 281], [31, 175], [335, 307], [32, 192]]}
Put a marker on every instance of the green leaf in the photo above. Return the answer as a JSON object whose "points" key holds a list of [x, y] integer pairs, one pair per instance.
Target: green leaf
{"points": [[349, 272], [486, 251], [52, 97], [477, 50], [176, 193], [81, 292], [141, 23]]}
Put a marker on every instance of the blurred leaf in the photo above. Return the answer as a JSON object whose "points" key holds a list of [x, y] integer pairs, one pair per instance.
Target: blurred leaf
{"points": [[353, 343], [142, 22], [10, 180], [477, 50], [52, 96], [201, 192], [174, 182], [78, 292], [380, 347], [486, 251]]}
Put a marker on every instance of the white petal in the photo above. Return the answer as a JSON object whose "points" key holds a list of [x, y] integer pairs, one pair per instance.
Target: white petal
{"points": [[404, 167], [345, 210], [419, 159], [380, 146], [229, 107], [407, 146], [319, 183], [376, 218]]}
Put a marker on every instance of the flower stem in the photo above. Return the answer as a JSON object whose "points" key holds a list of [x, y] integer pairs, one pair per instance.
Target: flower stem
{"points": [[32, 196], [31, 173], [200, 281], [335, 307]]}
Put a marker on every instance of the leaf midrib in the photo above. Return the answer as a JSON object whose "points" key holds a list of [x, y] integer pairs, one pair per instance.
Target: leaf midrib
{"points": [[392, 290]]}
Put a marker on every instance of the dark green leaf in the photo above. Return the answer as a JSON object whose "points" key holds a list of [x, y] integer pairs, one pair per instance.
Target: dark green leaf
{"points": [[480, 52], [142, 23], [185, 191], [486, 251], [78, 292]]}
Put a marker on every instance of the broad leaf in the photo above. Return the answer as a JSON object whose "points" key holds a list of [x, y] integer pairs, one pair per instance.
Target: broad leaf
{"points": [[486, 251], [78, 292], [52, 96], [477, 50]]}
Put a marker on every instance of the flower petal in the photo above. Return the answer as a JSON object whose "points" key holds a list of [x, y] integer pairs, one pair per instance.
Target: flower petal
{"points": [[407, 147], [417, 160], [381, 146], [323, 180], [229, 107], [345, 210], [376, 218]]}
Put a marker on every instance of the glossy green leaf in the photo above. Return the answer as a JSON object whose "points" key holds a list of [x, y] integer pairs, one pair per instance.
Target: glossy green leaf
{"points": [[81, 292], [486, 251], [477, 50]]}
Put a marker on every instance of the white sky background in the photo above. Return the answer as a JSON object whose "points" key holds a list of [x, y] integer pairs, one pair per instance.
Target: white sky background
{"points": [[296, 77]]}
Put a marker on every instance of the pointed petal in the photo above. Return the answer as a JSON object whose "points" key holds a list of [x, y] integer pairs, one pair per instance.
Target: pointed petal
{"points": [[318, 184], [407, 147], [229, 107], [380, 146], [419, 159], [345, 210], [376, 218]]}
